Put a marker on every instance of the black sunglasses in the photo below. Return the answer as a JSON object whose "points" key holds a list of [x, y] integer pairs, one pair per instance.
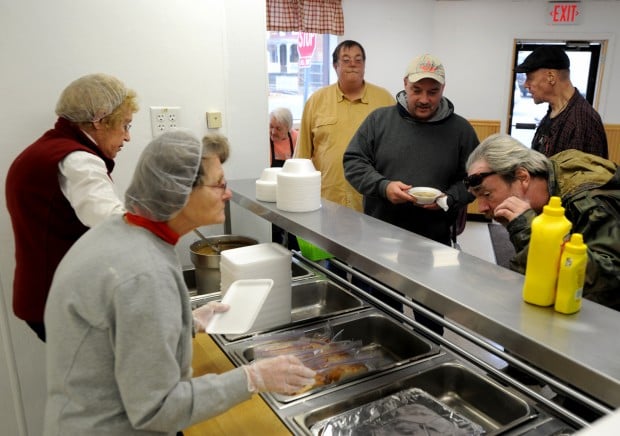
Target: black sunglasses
{"points": [[476, 179]]}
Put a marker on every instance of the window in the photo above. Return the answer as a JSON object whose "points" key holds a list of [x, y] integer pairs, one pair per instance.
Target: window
{"points": [[291, 84], [525, 115]]}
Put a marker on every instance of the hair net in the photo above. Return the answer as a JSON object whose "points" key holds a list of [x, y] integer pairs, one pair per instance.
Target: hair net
{"points": [[164, 176], [91, 98]]}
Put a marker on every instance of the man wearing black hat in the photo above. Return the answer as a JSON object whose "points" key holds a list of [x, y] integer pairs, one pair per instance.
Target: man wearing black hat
{"points": [[571, 121]]}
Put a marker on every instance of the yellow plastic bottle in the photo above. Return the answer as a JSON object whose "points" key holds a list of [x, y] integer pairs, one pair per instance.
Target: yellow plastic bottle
{"points": [[572, 275], [550, 230]]}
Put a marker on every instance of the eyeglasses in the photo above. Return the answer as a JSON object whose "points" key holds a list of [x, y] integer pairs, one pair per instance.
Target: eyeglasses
{"points": [[222, 186], [476, 179], [348, 61]]}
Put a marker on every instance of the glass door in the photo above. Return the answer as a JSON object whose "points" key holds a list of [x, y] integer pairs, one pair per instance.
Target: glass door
{"points": [[525, 115]]}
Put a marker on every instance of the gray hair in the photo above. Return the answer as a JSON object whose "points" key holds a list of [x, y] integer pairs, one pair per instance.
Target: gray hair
{"points": [[504, 154], [164, 176], [91, 98], [284, 116], [213, 145]]}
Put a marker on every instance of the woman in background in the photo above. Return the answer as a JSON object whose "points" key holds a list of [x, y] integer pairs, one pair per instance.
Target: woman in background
{"points": [[282, 136], [282, 140]]}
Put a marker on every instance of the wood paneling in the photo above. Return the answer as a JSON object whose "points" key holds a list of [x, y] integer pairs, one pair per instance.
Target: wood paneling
{"points": [[483, 128], [613, 141]]}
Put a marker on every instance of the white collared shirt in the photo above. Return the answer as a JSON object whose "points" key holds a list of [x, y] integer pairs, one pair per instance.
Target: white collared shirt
{"points": [[84, 181]]}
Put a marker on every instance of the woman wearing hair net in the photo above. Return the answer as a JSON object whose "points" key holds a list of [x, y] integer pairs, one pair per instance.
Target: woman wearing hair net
{"points": [[60, 186], [119, 318]]}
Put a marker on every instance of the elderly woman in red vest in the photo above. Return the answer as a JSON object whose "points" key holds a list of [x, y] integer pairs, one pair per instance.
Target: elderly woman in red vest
{"points": [[60, 186]]}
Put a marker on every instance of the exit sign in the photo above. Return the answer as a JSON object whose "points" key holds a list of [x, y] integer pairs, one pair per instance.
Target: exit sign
{"points": [[564, 12]]}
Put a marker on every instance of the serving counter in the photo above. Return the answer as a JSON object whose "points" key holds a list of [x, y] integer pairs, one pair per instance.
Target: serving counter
{"points": [[475, 300]]}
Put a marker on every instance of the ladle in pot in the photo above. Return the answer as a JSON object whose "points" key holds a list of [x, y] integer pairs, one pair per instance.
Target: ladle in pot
{"points": [[206, 241]]}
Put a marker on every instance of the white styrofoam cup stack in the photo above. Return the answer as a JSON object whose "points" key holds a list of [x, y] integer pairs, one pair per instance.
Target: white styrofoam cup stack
{"points": [[267, 184], [298, 187]]}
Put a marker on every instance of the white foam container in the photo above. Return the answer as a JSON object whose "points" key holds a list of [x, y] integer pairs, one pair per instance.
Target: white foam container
{"points": [[266, 191], [246, 299], [262, 261]]}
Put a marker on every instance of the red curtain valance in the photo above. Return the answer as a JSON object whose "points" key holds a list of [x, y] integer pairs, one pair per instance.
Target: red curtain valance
{"points": [[310, 16]]}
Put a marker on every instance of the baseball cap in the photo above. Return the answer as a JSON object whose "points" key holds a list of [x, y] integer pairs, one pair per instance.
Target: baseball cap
{"points": [[426, 66], [546, 56]]}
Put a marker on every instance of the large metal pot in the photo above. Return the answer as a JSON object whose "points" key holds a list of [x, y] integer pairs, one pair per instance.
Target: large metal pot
{"points": [[207, 262]]}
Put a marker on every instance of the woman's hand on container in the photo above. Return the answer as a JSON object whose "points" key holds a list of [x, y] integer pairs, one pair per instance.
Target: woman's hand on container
{"points": [[282, 374], [203, 314]]}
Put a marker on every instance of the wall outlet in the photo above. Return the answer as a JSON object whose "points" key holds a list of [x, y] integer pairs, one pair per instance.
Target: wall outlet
{"points": [[214, 120], [164, 118]]}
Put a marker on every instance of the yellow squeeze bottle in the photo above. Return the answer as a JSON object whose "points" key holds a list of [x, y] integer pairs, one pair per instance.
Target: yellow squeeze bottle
{"points": [[572, 275], [550, 230]]}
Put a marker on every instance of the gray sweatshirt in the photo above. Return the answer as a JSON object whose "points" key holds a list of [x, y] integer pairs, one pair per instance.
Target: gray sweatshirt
{"points": [[391, 145], [119, 343]]}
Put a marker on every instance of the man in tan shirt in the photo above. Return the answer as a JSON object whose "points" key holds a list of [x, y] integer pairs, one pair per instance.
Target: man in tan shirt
{"points": [[331, 117]]}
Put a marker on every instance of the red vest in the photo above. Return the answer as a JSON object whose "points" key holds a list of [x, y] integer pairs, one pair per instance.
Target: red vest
{"points": [[44, 223]]}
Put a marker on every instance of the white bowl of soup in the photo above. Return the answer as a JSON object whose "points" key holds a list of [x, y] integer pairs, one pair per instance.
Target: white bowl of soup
{"points": [[424, 194]]}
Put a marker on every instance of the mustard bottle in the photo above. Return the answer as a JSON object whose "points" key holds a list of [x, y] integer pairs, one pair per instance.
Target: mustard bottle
{"points": [[550, 230], [572, 275]]}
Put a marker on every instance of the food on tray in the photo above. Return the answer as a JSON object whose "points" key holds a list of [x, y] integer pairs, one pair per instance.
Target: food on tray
{"points": [[334, 374], [295, 347], [332, 360], [340, 372]]}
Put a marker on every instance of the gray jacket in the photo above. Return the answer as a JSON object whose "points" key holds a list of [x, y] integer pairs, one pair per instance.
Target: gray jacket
{"points": [[119, 341], [391, 145]]}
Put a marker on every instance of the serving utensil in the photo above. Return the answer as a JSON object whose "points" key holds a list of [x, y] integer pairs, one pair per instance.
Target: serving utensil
{"points": [[214, 247]]}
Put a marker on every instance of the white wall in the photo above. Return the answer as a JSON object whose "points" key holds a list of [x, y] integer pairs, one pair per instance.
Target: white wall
{"points": [[474, 39], [210, 55], [198, 54], [392, 32]]}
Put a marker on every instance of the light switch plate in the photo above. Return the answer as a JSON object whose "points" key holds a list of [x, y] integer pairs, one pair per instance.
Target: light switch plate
{"points": [[214, 120]]}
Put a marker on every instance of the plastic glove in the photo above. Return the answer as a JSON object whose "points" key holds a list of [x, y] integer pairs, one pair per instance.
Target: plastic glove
{"points": [[203, 314], [282, 374]]}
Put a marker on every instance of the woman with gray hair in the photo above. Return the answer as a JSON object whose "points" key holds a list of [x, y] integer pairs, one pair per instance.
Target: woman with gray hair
{"points": [[282, 140], [282, 136], [119, 317], [60, 186]]}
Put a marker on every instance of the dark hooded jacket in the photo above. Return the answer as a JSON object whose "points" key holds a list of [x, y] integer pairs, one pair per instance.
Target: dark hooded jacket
{"points": [[391, 145], [589, 187]]}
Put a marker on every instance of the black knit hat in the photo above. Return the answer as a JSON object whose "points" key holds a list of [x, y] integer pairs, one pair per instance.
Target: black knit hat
{"points": [[546, 56]]}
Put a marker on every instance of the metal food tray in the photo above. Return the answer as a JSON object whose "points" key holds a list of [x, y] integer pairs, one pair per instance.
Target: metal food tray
{"points": [[313, 300], [395, 340], [470, 394]]}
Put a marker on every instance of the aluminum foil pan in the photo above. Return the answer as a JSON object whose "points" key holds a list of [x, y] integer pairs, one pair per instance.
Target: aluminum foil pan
{"points": [[408, 412]]}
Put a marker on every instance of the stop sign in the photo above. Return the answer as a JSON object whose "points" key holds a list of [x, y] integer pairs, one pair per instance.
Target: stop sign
{"points": [[306, 43]]}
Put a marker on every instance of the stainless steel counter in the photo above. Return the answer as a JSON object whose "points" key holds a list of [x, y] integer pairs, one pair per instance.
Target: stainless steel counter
{"points": [[579, 349]]}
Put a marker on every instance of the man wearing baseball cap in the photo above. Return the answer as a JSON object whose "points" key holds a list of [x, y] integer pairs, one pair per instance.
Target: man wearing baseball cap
{"points": [[419, 141], [571, 121]]}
